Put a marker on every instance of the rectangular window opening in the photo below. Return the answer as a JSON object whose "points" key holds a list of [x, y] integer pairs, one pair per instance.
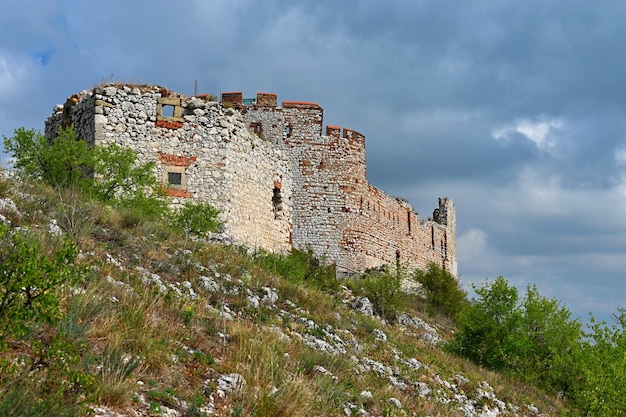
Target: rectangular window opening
{"points": [[408, 220], [167, 110], [175, 178]]}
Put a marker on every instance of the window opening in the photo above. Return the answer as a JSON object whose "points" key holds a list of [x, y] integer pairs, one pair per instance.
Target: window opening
{"points": [[175, 178], [257, 128], [288, 131], [167, 110], [277, 202], [432, 237], [408, 220]]}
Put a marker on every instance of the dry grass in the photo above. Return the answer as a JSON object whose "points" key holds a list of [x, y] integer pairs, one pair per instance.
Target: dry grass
{"points": [[178, 346]]}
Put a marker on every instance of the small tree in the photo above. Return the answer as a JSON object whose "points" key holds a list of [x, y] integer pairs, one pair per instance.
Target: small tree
{"points": [[384, 290], [61, 162], [549, 342], [31, 273], [444, 293], [488, 326], [119, 176], [108, 173], [197, 218], [600, 388], [534, 338]]}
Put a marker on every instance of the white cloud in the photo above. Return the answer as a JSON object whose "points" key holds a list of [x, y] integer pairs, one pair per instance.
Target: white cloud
{"points": [[539, 133], [14, 70], [620, 156], [471, 245]]}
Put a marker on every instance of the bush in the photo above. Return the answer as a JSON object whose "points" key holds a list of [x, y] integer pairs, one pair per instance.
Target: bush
{"points": [[384, 290], [31, 274], [108, 173], [301, 266], [120, 177], [535, 338], [444, 293], [62, 162], [197, 218], [600, 388]]}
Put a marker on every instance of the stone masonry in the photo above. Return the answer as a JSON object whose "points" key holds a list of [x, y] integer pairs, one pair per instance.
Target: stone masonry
{"points": [[279, 180]]}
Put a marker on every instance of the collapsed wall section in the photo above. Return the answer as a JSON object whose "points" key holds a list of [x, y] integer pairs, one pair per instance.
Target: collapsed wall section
{"points": [[201, 151]]}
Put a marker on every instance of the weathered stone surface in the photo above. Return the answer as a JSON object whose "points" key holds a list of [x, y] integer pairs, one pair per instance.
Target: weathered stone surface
{"points": [[364, 306], [278, 180]]}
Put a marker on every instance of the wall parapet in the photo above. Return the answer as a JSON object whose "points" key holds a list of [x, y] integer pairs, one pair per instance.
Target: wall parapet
{"points": [[233, 97], [301, 105]]}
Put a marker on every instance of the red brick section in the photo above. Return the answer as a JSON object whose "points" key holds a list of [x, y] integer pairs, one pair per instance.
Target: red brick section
{"points": [[175, 192], [267, 99], [333, 131], [168, 125], [301, 104], [175, 160], [235, 97]]}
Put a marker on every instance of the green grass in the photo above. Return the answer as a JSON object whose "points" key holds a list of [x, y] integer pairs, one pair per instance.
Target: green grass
{"points": [[120, 340]]}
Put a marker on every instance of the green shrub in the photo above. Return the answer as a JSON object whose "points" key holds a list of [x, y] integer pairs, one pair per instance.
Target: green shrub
{"points": [[534, 339], [140, 209], [108, 173], [62, 162], [32, 271], [384, 290], [444, 292], [197, 218], [119, 176], [600, 388], [488, 326], [301, 266], [49, 380]]}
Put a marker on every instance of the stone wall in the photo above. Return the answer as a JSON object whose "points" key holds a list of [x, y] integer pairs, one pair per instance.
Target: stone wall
{"points": [[278, 179], [202, 151]]}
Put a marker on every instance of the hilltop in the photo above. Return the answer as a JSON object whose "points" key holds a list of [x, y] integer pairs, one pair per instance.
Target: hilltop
{"points": [[155, 321]]}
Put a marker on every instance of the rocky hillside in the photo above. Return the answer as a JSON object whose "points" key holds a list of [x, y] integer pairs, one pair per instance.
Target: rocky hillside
{"points": [[156, 323]]}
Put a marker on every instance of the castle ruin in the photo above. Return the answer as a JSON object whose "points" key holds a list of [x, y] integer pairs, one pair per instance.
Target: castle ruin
{"points": [[278, 178]]}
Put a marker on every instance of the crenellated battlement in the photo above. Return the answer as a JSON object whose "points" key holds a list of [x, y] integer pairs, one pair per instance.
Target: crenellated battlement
{"points": [[279, 178]]}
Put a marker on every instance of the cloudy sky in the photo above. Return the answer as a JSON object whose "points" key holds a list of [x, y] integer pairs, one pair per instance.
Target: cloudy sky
{"points": [[513, 109]]}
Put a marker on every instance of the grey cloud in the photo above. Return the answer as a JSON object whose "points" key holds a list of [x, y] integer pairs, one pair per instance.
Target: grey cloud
{"points": [[426, 82]]}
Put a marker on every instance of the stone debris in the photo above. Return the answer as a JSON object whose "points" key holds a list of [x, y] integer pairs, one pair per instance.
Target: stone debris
{"points": [[379, 335], [54, 228], [363, 305], [406, 374], [209, 284], [395, 402], [230, 384], [270, 295], [8, 206]]}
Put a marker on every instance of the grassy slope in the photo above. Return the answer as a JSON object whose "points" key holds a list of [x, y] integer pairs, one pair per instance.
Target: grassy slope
{"points": [[159, 319]]}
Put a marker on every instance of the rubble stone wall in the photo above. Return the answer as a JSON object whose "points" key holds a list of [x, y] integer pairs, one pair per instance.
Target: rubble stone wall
{"points": [[278, 179], [207, 144]]}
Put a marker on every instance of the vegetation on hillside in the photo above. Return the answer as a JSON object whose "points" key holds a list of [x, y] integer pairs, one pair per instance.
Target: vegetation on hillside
{"points": [[112, 301]]}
